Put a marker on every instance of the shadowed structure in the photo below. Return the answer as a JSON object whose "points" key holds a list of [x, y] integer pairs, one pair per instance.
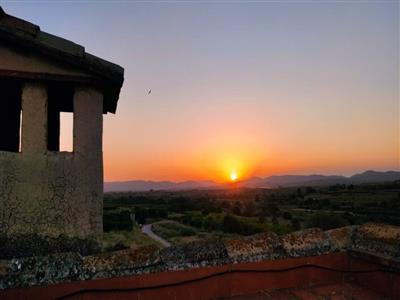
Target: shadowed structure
{"points": [[50, 201]]}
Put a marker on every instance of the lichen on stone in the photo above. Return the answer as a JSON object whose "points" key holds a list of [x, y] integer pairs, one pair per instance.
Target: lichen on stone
{"points": [[306, 243], [256, 247], [375, 239]]}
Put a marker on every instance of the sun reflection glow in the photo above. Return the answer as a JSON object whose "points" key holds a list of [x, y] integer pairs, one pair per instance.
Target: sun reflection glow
{"points": [[233, 175]]}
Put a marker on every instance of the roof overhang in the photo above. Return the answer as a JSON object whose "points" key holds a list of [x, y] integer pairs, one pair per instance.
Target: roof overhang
{"points": [[26, 36]]}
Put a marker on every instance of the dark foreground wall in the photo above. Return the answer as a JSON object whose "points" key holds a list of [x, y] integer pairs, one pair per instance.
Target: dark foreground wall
{"points": [[225, 281], [368, 254]]}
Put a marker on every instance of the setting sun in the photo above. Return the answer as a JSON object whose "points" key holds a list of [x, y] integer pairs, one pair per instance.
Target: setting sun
{"points": [[233, 175]]}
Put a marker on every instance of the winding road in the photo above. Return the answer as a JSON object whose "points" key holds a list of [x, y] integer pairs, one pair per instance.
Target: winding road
{"points": [[146, 229]]}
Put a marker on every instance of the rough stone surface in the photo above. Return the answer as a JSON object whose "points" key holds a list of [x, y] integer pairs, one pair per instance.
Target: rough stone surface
{"points": [[305, 243], [377, 238], [373, 239], [194, 253], [36, 245], [41, 270], [34, 119], [129, 261], [341, 238], [53, 200], [256, 247]]}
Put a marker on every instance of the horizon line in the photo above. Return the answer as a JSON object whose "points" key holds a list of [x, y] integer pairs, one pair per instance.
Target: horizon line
{"points": [[261, 177]]}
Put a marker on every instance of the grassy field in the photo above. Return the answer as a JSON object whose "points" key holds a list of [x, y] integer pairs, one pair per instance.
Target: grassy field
{"points": [[126, 239], [175, 232], [178, 233]]}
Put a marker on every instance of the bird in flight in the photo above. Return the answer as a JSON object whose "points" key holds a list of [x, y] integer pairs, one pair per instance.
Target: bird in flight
{"points": [[149, 92]]}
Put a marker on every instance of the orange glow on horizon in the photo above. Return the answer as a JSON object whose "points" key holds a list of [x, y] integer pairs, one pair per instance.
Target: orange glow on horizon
{"points": [[212, 153]]}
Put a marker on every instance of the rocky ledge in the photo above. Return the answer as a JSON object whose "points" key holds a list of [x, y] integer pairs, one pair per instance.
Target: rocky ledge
{"points": [[371, 239]]}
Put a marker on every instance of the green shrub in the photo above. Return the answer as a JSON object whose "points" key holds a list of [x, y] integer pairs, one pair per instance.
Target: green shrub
{"points": [[326, 221], [114, 220], [231, 224], [247, 228], [171, 229]]}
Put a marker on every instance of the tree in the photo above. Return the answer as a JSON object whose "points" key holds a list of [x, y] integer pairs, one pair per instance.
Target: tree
{"points": [[117, 221], [249, 209], [326, 221], [300, 193], [140, 215], [310, 190], [269, 207], [272, 208], [237, 209], [231, 224]]}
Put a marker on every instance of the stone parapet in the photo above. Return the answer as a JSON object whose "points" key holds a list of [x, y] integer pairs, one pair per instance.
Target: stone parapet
{"points": [[371, 238]]}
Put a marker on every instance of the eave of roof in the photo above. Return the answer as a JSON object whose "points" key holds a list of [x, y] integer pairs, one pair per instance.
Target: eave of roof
{"points": [[108, 76]]}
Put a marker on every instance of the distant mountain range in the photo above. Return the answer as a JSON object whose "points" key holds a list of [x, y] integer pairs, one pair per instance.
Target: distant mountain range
{"points": [[255, 182], [144, 185]]}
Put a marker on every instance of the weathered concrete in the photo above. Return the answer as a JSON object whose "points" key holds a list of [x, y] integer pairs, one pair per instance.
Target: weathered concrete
{"points": [[51, 201], [34, 119], [51, 194], [88, 157], [34, 63], [29, 53]]}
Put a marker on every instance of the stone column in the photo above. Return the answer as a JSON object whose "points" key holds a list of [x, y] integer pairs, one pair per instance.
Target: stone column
{"points": [[88, 121], [88, 157], [34, 119]]}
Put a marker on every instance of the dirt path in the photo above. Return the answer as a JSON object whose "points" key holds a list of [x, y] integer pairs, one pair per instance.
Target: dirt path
{"points": [[146, 229]]}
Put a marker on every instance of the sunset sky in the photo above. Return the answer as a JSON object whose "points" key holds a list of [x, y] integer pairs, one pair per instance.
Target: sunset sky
{"points": [[260, 88]]}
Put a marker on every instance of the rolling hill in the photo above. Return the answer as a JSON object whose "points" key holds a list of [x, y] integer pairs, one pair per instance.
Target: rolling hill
{"points": [[256, 182]]}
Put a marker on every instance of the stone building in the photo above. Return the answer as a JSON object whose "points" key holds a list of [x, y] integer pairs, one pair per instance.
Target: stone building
{"points": [[50, 201]]}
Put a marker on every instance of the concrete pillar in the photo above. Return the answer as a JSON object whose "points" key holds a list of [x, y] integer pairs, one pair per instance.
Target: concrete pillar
{"points": [[34, 118], [88, 121], [88, 156]]}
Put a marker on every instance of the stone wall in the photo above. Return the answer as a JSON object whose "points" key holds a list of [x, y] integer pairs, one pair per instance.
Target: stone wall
{"points": [[377, 240], [52, 201]]}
